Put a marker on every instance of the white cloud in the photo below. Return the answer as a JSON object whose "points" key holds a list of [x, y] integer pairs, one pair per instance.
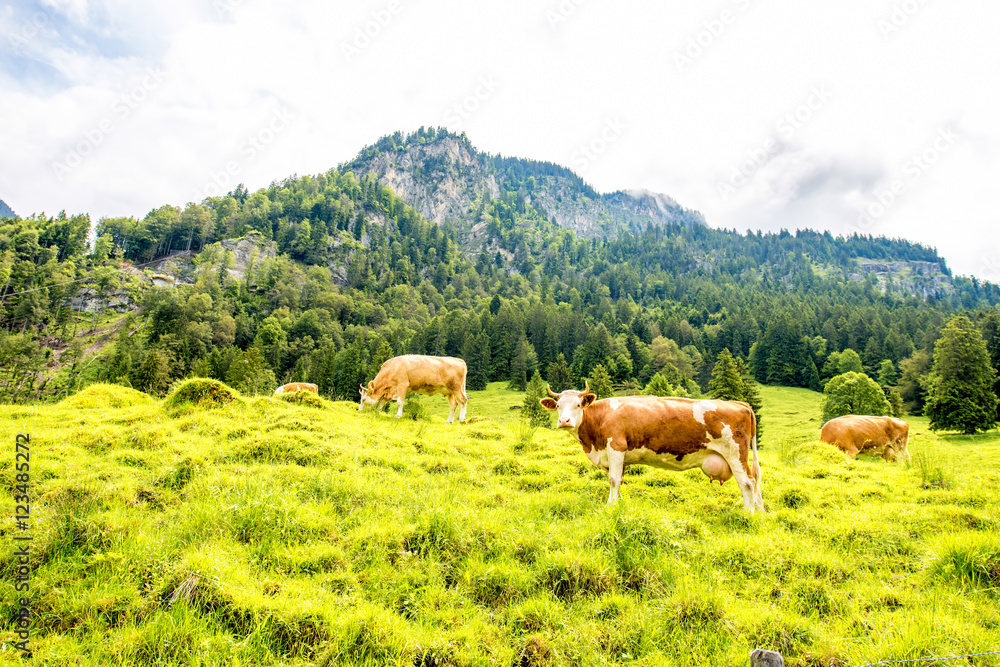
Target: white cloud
{"points": [[230, 64]]}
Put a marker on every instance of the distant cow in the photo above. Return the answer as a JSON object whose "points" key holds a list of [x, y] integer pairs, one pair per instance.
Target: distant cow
{"points": [[672, 433], [297, 386], [884, 436], [419, 374]]}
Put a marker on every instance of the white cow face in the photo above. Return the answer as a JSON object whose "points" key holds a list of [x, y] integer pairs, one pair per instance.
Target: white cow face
{"points": [[366, 397], [569, 406]]}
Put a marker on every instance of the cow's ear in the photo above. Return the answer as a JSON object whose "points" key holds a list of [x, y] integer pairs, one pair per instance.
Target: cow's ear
{"points": [[587, 399], [548, 403]]}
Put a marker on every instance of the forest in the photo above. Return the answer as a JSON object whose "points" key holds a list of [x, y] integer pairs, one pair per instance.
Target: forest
{"points": [[346, 274]]}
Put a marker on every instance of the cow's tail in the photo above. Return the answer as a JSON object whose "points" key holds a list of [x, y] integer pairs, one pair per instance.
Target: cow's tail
{"points": [[758, 490]]}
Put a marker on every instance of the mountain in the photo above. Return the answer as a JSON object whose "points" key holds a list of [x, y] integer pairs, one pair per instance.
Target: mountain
{"points": [[447, 180], [424, 245], [6, 211]]}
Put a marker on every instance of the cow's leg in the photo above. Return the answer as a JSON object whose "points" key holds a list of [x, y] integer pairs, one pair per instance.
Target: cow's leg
{"points": [[729, 449], [400, 400], [616, 468], [453, 402], [461, 413]]}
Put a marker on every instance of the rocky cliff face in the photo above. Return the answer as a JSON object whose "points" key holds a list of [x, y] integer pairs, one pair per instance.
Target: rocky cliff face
{"points": [[6, 211], [920, 279], [447, 180], [442, 180]]}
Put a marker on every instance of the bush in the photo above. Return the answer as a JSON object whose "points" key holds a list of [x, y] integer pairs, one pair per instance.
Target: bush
{"points": [[201, 393], [854, 394]]}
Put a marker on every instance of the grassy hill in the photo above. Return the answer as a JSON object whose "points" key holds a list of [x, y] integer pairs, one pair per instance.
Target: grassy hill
{"points": [[267, 532]]}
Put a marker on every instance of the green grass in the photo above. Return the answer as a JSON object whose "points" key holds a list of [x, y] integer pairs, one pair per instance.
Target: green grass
{"points": [[266, 532]]}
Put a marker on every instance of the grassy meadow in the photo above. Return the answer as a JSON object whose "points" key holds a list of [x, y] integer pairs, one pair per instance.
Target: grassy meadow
{"points": [[264, 531]]}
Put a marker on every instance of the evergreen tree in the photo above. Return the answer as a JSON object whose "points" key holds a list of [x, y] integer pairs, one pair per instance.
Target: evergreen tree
{"points": [[533, 410], [731, 381], [600, 382], [854, 394], [887, 375], [519, 366], [990, 327], [559, 375], [751, 394], [382, 354], [726, 383], [153, 374], [659, 386], [477, 360], [960, 394], [895, 401]]}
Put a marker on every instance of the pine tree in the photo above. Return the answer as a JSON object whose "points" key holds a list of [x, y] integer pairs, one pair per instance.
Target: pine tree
{"points": [[726, 383], [477, 359], [960, 396], [990, 326], [559, 375], [731, 381], [519, 367], [659, 386], [887, 375], [600, 382], [533, 410]]}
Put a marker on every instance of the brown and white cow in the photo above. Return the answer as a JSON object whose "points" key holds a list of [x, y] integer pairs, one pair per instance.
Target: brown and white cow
{"points": [[419, 374], [854, 434], [296, 386], [720, 437]]}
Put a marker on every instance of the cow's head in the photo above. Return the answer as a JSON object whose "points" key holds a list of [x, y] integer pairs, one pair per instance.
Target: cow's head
{"points": [[895, 449], [367, 396], [569, 405]]}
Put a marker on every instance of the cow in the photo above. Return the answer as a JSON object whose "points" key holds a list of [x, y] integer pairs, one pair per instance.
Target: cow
{"points": [[296, 386], [856, 434], [416, 373], [672, 433]]}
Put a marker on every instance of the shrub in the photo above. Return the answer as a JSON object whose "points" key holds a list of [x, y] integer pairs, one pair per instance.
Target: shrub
{"points": [[200, 393], [854, 394]]}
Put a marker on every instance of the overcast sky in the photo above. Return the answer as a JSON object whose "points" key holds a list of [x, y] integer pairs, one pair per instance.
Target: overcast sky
{"points": [[873, 116]]}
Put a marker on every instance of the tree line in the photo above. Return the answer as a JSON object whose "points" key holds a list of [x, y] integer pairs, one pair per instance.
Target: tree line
{"points": [[360, 276]]}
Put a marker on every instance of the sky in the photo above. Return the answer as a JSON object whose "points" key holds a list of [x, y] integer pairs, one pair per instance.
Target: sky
{"points": [[861, 116]]}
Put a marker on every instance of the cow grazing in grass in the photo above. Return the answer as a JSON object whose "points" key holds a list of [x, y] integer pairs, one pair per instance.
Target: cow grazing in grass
{"points": [[419, 374], [884, 436], [296, 386], [720, 437]]}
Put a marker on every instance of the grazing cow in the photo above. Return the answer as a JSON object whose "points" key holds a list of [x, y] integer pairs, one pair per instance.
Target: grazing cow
{"points": [[418, 374], [672, 433], [884, 436], [296, 386]]}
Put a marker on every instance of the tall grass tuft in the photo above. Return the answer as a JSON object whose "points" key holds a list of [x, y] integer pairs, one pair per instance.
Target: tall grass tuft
{"points": [[936, 470], [970, 561]]}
